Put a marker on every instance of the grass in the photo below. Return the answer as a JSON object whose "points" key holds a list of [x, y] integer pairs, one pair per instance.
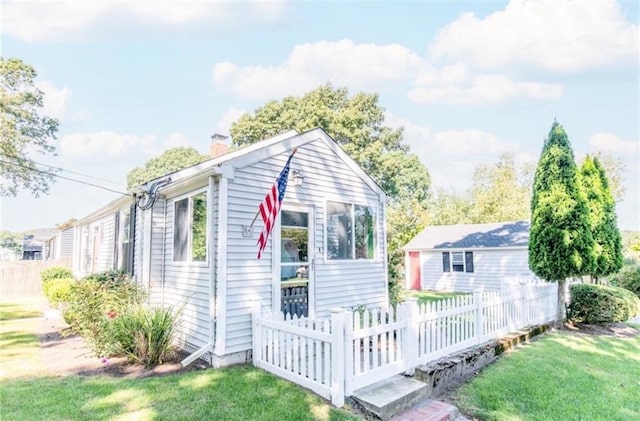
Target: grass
{"points": [[559, 377], [11, 311], [233, 393], [429, 296]]}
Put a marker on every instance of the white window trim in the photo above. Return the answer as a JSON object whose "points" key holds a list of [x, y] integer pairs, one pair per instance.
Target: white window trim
{"points": [[464, 261], [353, 204], [172, 203]]}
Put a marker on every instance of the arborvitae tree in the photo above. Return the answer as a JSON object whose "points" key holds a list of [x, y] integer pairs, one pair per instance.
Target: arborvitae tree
{"points": [[602, 218], [560, 242]]}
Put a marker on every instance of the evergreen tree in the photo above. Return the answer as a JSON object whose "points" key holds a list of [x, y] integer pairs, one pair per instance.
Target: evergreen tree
{"points": [[602, 218], [560, 242]]}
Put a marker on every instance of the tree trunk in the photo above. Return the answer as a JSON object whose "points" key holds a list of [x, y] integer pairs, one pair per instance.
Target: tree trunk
{"points": [[562, 299]]}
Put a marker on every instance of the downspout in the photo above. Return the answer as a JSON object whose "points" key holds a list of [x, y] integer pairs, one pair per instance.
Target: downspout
{"points": [[133, 234], [213, 269]]}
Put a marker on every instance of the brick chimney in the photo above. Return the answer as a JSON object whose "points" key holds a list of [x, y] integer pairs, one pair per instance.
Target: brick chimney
{"points": [[219, 145]]}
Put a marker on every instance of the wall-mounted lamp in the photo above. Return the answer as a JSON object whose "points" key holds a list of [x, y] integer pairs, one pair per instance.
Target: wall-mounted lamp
{"points": [[297, 178]]}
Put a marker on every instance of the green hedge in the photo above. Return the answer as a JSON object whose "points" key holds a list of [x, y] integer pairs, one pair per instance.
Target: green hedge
{"points": [[628, 277], [602, 304], [58, 290], [55, 272]]}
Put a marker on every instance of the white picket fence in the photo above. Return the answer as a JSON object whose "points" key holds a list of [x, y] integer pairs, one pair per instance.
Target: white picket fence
{"points": [[336, 356]]}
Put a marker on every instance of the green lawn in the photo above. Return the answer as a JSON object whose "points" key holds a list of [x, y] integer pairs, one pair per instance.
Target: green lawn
{"points": [[234, 393], [560, 377], [428, 296]]}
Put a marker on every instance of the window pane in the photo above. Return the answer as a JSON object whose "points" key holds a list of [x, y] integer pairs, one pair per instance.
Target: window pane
{"points": [[294, 219], [365, 232], [199, 228], [339, 231], [457, 262], [468, 261], [446, 266], [180, 230]]}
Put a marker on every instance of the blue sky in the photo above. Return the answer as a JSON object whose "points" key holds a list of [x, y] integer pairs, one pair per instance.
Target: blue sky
{"points": [[467, 80]]}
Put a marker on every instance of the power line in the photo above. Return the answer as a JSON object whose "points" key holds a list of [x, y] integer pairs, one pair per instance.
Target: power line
{"points": [[63, 177], [65, 170]]}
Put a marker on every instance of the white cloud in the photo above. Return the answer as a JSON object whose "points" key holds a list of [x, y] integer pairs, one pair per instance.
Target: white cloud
{"points": [[78, 19], [559, 35], [610, 143], [457, 84], [229, 117], [468, 142], [55, 100], [343, 63], [103, 143]]}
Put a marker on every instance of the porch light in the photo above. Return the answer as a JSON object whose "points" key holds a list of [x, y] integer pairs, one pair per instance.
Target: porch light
{"points": [[297, 178]]}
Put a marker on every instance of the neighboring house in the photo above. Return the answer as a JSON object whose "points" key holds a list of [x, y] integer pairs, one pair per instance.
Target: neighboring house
{"points": [[59, 245], [474, 257], [9, 254], [101, 240], [195, 242], [33, 243]]}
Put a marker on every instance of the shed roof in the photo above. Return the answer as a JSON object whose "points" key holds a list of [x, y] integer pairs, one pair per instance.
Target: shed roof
{"points": [[466, 236]]}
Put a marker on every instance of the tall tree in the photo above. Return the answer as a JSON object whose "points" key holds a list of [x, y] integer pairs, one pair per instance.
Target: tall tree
{"points": [[616, 170], [560, 241], [500, 192], [171, 160], [449, 208], [11, 241], [23, 130], [602, 218], [357, 124]]}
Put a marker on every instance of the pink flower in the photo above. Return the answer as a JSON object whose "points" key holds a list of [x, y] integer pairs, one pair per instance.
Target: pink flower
{"points": [[112, 314], [104, 360]]}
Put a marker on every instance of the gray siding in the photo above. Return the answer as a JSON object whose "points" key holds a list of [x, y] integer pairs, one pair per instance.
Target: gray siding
{"points": [[491, 269], [66, 242], [183, 285], [337, 283]]}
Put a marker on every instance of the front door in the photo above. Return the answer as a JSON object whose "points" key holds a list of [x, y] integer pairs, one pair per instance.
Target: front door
{"points": [[296, 261]]}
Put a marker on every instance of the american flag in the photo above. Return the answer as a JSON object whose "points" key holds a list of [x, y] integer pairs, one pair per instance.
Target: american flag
{"points": [[270, 206]]}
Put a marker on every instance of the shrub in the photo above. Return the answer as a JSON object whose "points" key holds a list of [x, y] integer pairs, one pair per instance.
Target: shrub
{"points": [[628, 277], [58, 290], [602, 304], [144, 335], [55, 272], [94, 301]]}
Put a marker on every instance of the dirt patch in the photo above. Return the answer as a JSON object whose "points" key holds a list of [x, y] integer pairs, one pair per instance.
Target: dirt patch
{"points": [[64, 355], [619, 330]]}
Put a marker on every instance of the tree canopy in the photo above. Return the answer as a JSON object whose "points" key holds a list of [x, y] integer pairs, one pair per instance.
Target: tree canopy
{"points": [[560, 241], [356, 123], [23, 130], [171, 160], [602, 218], [499, 192]]}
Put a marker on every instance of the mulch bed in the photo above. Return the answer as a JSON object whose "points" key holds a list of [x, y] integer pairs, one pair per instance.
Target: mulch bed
{"points": [[64, 355]]}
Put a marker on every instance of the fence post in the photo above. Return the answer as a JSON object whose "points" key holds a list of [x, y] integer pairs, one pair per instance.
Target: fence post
{"points": [[350, 354], [524, 311], [411, 314], [479, 330], [337, 360], [256, 314]]}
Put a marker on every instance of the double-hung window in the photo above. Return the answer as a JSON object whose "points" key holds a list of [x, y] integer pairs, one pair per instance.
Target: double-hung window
{"points": [[351, 231], [457, 261], [190, 229]]}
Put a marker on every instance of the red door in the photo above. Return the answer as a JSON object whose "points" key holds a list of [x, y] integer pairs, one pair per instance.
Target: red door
{"points": [[414, 270]]}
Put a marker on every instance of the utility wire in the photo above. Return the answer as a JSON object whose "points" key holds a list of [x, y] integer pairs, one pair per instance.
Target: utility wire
{"points": [[63, 177], [65, 170]]}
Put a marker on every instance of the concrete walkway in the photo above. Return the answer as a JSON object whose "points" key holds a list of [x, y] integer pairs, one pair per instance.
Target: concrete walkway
{"points": [[430, 410]]}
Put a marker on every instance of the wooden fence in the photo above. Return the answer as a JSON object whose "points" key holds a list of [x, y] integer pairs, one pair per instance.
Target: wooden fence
{"points": [[21, 278], [336, 356]]}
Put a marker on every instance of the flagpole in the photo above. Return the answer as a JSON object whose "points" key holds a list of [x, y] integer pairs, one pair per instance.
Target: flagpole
{"points": [[258, 213]]}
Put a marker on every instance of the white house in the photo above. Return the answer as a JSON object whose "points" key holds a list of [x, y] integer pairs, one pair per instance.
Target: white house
{"points": [[195, 234], [59, 245], [473, 257]]}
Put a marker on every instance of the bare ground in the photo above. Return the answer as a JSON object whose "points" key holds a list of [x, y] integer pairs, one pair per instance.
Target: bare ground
{"points": [[70, 355]]}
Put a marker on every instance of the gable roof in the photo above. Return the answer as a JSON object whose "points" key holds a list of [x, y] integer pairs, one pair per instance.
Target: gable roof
{"points": [[467, 236], [259, 151]]}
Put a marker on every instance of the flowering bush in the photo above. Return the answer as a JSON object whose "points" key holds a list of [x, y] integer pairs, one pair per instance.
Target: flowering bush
{"points": [[95, 301]]}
